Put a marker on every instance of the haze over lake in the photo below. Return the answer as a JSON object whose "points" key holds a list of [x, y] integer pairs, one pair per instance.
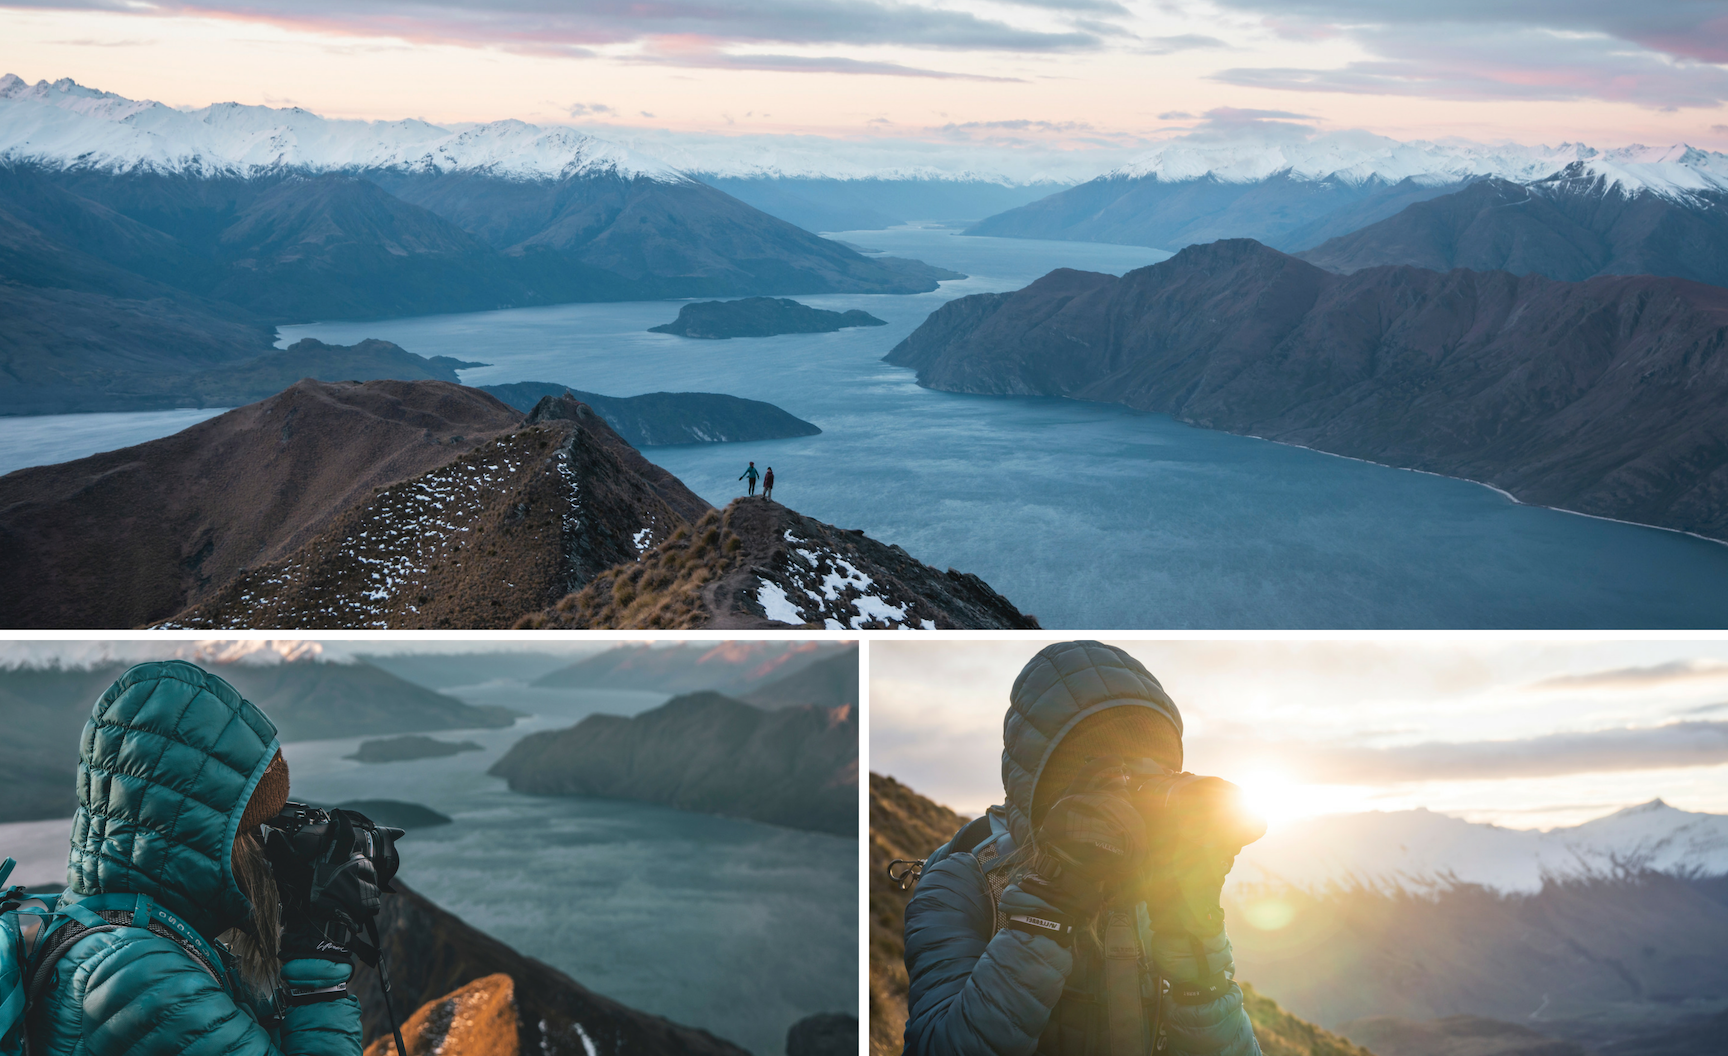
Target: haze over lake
{"points": [[1086, 515]]}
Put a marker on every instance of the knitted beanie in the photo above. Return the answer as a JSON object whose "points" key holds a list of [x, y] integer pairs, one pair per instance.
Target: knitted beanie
{"points": [[1128, 731], [268, 798]]}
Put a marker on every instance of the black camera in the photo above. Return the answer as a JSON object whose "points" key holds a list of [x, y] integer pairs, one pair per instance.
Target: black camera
{"points": [[331, 864]]}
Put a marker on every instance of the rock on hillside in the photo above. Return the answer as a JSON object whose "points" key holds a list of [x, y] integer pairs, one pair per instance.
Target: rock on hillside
{"points": [[477, 1019], [795, 766], [507, 528], [431, 952], [1606, 397], [903, 824], [760, 317], [759, 564], [659, 418], [133, 536]]}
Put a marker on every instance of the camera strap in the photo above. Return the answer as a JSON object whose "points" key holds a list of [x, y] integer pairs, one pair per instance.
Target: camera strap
{"points": [[384, 985], [1125, 1014]]}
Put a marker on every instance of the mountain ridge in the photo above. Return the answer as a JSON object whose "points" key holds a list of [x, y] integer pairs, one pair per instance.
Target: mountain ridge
{"points": [[1594, 397]]}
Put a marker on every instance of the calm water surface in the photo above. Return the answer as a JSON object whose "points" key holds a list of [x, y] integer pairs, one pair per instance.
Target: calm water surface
{"points": [[1090, 516], [735, 927]]}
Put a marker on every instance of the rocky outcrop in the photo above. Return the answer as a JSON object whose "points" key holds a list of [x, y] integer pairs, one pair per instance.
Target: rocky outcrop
{"points": [[795, 766], [432, 954], [1570, 226], [824, 1034], [133, 536], [477, 1019], [658, 418], [759, 564], [1605, 396], [760, 317], [505, 529]]}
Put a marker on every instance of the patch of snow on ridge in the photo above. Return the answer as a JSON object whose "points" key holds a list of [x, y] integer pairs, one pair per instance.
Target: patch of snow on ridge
{"points": [[772, 597], [67, 124]]}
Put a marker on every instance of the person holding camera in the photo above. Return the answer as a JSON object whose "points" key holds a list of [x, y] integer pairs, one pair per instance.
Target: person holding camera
{"points": [[1081, 916], [179, 935]]}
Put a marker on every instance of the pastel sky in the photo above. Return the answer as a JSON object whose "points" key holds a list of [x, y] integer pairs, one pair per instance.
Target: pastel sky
{"points": [[1082, 75], [1526, 734]]}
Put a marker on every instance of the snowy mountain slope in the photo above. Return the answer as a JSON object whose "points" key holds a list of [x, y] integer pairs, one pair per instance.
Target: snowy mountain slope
{"points": [[1417, 849], [66, 124]]}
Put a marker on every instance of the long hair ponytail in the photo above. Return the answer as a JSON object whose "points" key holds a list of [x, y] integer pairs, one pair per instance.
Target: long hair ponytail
{"points": [[257, 942]]}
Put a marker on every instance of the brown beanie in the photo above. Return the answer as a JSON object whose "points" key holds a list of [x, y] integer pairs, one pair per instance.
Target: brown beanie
{"points": [[268, 797], [1126, 730]]}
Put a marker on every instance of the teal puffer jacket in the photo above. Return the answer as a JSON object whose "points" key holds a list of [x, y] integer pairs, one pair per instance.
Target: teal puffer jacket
{"points": [[167, 763], [982, 990]]}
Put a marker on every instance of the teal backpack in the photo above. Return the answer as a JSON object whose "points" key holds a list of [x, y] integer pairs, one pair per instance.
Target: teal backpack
{"points": [[36, 931]]}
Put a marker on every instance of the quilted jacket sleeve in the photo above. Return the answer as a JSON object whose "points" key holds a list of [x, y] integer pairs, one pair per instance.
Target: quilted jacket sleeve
{"points": [[1218, 1028], [971, 993], [131, 993]]}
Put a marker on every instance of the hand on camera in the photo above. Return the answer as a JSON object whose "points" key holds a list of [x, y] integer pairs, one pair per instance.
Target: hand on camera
{"points": [[1090, 841], [304, 937]]}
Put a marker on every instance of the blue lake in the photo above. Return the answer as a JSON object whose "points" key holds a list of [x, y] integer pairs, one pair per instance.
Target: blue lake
{"points": [[736, 927], [1087, 515]]}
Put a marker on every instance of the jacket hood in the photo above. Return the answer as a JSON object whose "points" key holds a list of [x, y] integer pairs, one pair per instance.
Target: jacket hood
{"points": [[1064, 684], [168, 760]]}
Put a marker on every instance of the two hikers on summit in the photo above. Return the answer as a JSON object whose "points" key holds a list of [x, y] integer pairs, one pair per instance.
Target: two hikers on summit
{"points": [[1080, 917], [749, 477]]}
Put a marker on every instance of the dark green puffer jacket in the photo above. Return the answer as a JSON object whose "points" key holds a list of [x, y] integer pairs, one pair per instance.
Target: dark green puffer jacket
{"points": [[980, 990], [169, 758]]}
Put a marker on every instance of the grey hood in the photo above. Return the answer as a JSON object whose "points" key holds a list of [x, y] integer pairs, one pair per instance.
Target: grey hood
{"points": [[1062, 685]]}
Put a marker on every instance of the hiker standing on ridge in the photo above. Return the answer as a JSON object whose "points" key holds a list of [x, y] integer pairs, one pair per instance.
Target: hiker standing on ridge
{"points": [[1080, 917], [178, 939], [768, 484], [749, 477]]}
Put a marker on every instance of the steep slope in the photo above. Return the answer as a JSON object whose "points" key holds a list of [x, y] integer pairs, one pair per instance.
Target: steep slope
{"points": [[658, 418], [734, 668], [795, 766], [517, 522], [431, 952], [761, 565], [46, 708], [336, 246], [132, 536], [829, 683], [827, 203], [1603, 396], [1571, 226]]}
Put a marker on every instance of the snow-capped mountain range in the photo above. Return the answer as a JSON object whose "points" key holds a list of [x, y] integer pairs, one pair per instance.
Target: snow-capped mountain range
{"points": [[67, 124], [1419, 849], [1356, 158]]}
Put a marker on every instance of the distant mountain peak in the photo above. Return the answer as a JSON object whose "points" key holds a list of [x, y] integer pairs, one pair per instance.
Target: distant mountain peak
{"points": [[67, 124]]}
